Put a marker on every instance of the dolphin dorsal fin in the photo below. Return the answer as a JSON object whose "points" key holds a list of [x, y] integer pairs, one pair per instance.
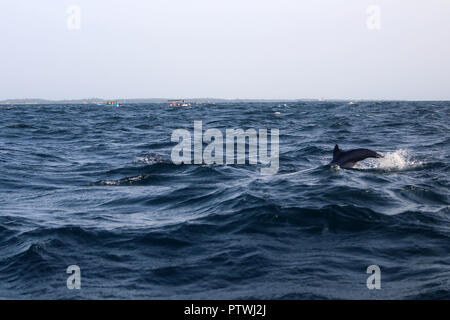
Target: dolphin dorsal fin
{"points": [[336, 151]]}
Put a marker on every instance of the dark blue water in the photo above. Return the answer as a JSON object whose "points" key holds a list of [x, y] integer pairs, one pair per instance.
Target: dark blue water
{"points": [[95, 186]]}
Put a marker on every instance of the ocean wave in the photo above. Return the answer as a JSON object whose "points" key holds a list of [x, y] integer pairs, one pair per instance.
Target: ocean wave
{"points": [[96, 187]]}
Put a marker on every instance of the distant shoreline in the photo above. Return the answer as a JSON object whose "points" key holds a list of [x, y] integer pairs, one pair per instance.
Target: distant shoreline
{"points": [[193, 100]]}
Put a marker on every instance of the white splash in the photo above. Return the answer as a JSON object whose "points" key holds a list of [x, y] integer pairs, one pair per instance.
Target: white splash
{"points": [[392, 161], [150, 159]]}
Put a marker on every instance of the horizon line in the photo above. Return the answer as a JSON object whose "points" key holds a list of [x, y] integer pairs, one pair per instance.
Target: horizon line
{"points": [[3, 101]]}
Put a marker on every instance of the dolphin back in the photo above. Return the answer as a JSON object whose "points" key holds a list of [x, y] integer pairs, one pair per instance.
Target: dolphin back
{"points": [[348, 159], [361, 154]]}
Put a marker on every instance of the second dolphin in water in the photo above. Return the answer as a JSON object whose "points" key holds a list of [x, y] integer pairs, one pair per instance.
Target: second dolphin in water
{"points": [[347, 159]]}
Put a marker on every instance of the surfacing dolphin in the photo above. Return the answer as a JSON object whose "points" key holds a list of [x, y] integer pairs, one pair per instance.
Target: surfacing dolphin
{"points": [[347, 159]]}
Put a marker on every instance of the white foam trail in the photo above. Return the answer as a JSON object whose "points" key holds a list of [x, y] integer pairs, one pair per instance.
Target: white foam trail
{"points": [[396, 160]]}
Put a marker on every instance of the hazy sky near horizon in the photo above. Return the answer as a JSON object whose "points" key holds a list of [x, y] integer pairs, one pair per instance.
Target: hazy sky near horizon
{"points": [[277, 49]]}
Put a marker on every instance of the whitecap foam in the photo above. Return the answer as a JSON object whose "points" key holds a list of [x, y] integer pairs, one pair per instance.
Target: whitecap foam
{"points": [[124, 181], [150, 159], [392, 161]]}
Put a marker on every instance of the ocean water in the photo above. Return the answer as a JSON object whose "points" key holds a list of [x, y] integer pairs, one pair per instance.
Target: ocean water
{"points": [[95, 186]]}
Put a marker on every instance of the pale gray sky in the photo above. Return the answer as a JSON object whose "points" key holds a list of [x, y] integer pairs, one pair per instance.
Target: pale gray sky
{"points": [[279, 49]]}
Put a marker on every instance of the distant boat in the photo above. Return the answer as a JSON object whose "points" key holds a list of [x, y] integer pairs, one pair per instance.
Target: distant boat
{"points": [[110, 103], [178, 103]]}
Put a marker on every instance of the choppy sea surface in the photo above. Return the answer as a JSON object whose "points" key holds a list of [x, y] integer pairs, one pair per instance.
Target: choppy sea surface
{"points": [[95, 186]]}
